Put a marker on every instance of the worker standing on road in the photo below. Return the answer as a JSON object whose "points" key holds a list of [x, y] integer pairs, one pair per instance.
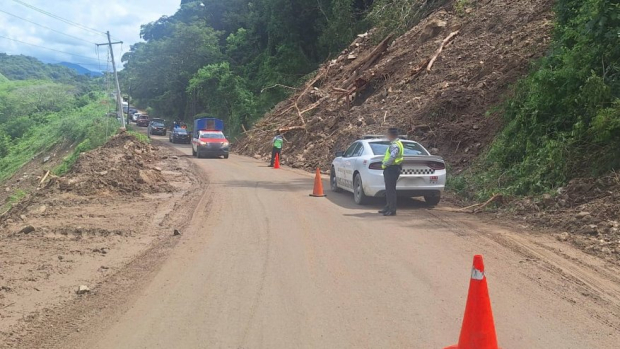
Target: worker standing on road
{"points": [[392, 166], [278, 141]]}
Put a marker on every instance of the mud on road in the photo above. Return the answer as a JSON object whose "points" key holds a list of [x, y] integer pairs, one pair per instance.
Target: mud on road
{"points": [[118, 202]]}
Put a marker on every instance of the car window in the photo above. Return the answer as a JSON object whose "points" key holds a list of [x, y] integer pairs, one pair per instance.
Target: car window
{"points": [[214, 135], [157, 124], [411, 148], [180, 131], [359, 150], [351, 151]]}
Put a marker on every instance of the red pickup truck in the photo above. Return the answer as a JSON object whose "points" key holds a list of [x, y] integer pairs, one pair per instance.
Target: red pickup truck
{"points": [[143, 121]]}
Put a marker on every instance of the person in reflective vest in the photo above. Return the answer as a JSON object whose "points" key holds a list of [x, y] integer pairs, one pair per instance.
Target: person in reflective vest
{"points": [[278, 141], [392, 166]]}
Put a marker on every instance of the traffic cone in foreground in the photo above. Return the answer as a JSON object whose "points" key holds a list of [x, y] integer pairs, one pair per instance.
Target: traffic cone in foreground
{"points": [[276, 164], [318, 185], [478, 331]]}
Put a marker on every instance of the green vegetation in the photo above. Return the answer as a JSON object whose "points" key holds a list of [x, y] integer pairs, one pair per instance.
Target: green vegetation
{"points": [[14, 198], [564, 118], [18, 67], [236, 59], [36, 115]]}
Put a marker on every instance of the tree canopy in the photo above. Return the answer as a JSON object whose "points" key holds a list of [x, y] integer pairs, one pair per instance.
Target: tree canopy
{"points": [[217, 57]]}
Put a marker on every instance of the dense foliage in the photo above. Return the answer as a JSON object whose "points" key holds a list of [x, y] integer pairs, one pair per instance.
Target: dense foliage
{"points": [[236, 59], [564, 119]]}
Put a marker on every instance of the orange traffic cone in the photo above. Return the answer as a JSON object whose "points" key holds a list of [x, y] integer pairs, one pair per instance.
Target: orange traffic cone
{"points": [[277, 162], [318, 185], [478, 331]]}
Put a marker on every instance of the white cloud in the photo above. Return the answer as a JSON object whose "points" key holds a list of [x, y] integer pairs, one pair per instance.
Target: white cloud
{"points": [[122, 18]]}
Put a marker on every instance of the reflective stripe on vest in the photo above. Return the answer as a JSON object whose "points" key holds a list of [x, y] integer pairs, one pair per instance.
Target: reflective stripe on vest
{"points": [[401, 153], [277, 143]]}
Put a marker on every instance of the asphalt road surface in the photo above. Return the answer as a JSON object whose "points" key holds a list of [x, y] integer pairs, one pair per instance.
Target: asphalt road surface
{"points": [[267, 266]]}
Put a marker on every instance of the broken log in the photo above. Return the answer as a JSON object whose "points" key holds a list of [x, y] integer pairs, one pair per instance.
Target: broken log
{"points": [[443, 44], [362, 64], [291, 128]]}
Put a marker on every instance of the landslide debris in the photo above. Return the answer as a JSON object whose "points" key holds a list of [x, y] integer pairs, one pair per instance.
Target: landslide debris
{"points": [[75, 230], [436, 83], [586, 212], [123, 165]]}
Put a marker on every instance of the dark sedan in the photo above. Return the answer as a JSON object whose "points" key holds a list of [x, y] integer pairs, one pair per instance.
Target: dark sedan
{"points": [[157, 127], [180, 135]]}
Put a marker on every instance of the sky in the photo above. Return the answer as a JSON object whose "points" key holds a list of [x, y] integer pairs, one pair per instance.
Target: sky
{"points": [[122, 18]]}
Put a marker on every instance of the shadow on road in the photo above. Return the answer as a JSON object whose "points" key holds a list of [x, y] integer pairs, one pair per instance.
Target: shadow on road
{"points": [[345, 199]]}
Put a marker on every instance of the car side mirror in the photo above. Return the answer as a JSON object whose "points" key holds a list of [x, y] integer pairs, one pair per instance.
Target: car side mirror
{"points": [[339, 154]]}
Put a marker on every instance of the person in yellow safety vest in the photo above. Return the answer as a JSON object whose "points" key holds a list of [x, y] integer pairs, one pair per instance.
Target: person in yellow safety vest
{"points": [[392, 166], [278, 141]]}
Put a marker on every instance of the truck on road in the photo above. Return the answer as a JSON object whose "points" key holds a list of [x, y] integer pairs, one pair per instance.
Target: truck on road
{"points": [[208, 138]]}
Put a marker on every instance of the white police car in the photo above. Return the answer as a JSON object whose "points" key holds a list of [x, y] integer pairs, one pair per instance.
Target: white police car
{"points": [[358, 170]]}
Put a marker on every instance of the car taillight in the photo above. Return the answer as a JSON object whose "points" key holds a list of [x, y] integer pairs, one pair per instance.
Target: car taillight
{"points": [[436, 165], [375, 166]]}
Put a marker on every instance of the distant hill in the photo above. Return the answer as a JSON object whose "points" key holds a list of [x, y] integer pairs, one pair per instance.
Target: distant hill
{"points": [[3, 78], [81, 70], [20, 67]]}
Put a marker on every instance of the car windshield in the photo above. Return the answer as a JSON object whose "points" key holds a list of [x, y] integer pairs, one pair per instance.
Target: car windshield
{"points": [[214, 135], [180, 131], [157, 124], [411, 148]]}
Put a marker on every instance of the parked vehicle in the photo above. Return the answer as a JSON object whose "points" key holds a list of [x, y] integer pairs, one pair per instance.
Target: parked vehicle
{"points": [[180, 135], [208, 138], [358, 170], [143, 121], [157, 127]]}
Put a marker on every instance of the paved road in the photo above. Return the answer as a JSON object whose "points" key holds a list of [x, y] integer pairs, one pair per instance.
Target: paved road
{"points": [[269, 267]]}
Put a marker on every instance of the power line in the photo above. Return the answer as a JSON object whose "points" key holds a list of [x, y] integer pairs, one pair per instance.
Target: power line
{"points": [[47, 48], [59, 18], [48, 28]]}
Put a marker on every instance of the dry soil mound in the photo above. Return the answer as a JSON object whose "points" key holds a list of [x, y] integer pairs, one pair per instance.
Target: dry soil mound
{"points": [[486, 48], [123, 165]]}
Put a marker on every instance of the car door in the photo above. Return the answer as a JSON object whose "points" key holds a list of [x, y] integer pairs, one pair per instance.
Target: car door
{"points": [[348, 161]]}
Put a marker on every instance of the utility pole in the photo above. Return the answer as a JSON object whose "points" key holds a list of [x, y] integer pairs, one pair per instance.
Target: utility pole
{"points": [[119, 98]]}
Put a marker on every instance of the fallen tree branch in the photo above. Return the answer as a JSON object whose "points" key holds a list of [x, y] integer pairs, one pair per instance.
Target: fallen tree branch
{"points": [[480, 207], [313, 105], [277, 85], [362, 64], [44, 178], [443, 44], [291, 128]]}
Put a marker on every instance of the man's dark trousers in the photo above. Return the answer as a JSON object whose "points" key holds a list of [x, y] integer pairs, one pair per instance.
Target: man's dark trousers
{"points": [[275, 151], [390, 176]]}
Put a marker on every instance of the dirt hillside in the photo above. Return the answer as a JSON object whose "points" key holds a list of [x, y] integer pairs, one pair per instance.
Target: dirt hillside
{"points": [[115, 203], [442, 102]]}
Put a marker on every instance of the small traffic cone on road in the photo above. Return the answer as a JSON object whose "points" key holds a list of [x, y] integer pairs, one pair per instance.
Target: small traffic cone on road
{"points": [[277, 162], [318, 185], [478, 330]]}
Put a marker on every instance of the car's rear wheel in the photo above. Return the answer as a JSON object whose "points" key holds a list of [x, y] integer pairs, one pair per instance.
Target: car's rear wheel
{"points": [[432, 200], [333, 181], [358, 191], [226, 156]]}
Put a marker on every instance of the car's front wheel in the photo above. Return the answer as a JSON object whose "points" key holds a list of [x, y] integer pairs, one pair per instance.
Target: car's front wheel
{"points": [[358, 191], [193, 152], [333, 181], [432, 200]]}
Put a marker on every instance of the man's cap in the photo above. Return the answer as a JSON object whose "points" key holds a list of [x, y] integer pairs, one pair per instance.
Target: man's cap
{"points": [[393, 131]]}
